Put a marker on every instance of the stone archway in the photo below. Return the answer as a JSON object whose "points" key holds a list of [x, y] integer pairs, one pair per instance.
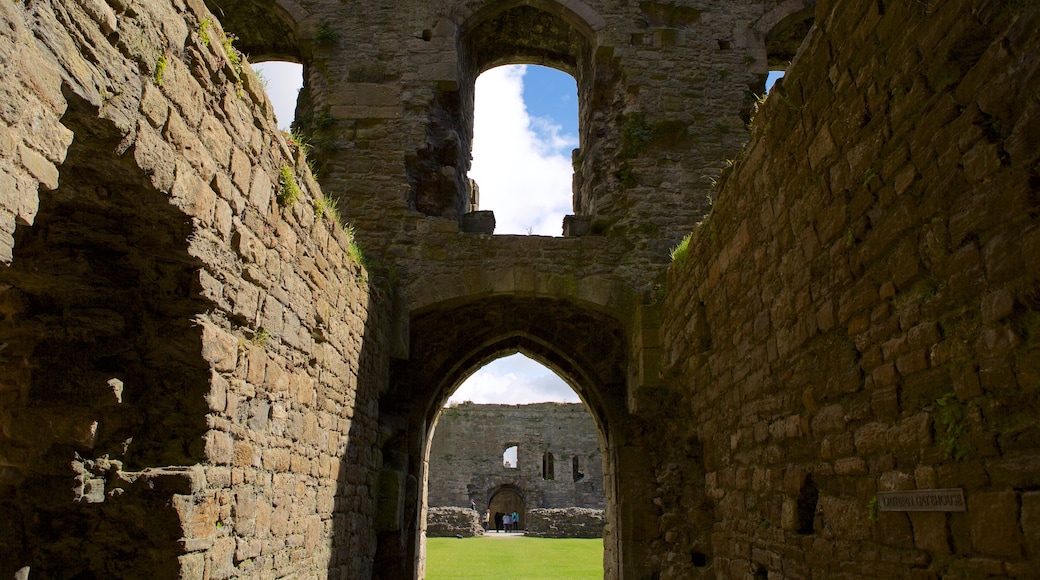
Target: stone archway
{"points": [[587, 348], [507, 499]]}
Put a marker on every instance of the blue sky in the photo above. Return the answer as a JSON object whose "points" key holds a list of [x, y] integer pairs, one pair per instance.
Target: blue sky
{"points": [[525, 126]]}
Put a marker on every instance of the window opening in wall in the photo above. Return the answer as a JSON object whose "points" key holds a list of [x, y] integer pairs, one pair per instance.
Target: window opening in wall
{"points": [[525, 129], [548, 466], [282, 81], [509, 457], [808, 496], [578, 468], [782, 43]]}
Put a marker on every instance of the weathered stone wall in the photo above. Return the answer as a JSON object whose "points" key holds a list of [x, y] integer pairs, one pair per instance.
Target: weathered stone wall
{"points": [[408, 90], [573, 522], [448, 521], [190, 362], [859, 313], [469, 440]]}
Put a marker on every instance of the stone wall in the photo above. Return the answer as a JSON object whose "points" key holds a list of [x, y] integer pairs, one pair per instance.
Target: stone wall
{"points": [[190, 360], [466, 460], [448, 522], [859, 312], [573, 522]]}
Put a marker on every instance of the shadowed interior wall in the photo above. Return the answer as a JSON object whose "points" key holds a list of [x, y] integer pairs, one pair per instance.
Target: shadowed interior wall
{"points": [[864, 303], [190, 360]]}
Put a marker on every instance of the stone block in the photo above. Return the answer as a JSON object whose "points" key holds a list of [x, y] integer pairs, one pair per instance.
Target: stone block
{"points": [[478, 222], [847, 518], [1031, 521], [850, 466], [220, 559], [913, 362], [365, 112], [993, 517], [577, 225], [931, 532], [276, 460], [390, 487], [219, 447], [218, 391], [243, 454], [872, 438], [192, 195], [219, 348], [260, 189], [39, 167]]}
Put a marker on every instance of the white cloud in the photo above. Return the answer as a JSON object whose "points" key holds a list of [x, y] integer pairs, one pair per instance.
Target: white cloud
{"points": [[514, 379], [522, 164]]}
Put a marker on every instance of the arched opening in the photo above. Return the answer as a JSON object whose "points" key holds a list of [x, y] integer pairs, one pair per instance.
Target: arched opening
{"points": [[525, 133], [525, 408], [784, 30], [507, 500], [585, 347], [508, 33], [283, 81]]}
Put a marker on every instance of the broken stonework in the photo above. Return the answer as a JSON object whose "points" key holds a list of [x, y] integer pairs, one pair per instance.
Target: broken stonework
{"points": [[565, 523], [446, 522]]}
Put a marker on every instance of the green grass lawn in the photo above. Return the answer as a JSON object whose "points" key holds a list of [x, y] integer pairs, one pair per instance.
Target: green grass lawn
{"points": [[514, 558]]}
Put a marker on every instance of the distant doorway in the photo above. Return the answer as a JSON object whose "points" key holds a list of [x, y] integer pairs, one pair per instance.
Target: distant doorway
{"points": [[506, 501]]}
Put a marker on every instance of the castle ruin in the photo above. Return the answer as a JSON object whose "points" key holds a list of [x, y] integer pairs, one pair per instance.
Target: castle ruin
{"points": [[837, 376], [556, 460]]}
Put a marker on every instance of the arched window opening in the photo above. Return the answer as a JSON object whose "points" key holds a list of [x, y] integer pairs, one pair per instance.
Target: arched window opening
{"points": [[548, 466], [525, 135], [782, 42], [578, 468], [510, 458], [282, 81]]}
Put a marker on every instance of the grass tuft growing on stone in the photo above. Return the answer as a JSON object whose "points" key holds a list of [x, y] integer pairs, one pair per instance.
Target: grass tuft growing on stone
{"points": [[682, 250], [288, 190], [204, 26], [326, 206], [952, 417], [160, 69], [353, 249], [234, 57], [325, 36]]}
